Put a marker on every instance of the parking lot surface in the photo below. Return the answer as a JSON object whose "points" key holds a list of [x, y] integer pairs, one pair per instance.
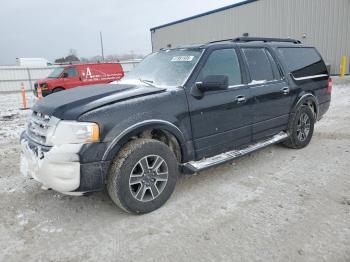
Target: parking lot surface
{"points": [[277, 204]]}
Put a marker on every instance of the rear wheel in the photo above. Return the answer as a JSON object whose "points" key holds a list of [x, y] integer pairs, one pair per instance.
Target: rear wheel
{"points": [[301, 128], [142, 176]]}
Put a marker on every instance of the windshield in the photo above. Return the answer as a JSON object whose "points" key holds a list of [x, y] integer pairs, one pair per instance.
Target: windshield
{"points": [[56, 73], [165, 68]]}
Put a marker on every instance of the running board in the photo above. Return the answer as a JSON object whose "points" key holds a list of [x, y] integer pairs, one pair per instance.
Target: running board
{"points": [[197, 166]]}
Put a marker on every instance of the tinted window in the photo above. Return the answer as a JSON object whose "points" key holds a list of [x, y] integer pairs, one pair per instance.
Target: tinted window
{"points": [[258, 63], [72, 72], [223, 62], [303, 61]]}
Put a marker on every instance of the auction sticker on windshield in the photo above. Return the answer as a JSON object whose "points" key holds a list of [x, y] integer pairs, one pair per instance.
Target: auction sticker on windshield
{"points": [[185, 58]]}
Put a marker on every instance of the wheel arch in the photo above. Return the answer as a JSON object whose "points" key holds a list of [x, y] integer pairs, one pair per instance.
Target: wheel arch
{"points": [[58, 87], [156, 129], [309, 100]]}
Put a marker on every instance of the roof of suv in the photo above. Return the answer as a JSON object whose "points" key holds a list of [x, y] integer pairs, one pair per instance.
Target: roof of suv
{"points": [[247, 41]]}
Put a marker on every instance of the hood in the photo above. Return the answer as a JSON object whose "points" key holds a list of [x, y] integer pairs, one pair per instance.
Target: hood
{"points": [[46, 80], [72, 103]]}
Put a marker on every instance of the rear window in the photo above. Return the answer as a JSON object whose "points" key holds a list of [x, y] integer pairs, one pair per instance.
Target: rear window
{"points": [[259, 64], [303, 61]]}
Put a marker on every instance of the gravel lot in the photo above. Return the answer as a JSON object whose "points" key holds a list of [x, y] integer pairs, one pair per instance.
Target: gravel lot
{"points": [[274, 205]]}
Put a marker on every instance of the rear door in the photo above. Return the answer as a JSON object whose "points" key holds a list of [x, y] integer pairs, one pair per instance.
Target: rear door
{"points": [[270, 91], [221, 119]]}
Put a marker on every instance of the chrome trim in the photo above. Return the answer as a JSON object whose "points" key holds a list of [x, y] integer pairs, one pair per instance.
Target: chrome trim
{"points": [[308, 77], [197, 166], [236, 86], [132, 127], [40, 126], [257, 83]]}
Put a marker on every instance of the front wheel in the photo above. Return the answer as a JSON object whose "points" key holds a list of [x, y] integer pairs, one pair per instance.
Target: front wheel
{"points": [[58, 89], [142, 176], [301, 128]]}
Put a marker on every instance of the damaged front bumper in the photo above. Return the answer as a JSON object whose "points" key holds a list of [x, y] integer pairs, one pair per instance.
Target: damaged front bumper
{"points": [[58, 167]]}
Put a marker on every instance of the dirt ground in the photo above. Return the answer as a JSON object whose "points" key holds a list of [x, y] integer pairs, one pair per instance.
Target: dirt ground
{"points": [[274, 205]]}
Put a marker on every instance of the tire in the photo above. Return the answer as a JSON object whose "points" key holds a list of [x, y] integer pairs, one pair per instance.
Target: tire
{"points": [[57, 89], [138, 191], [301, 128]]}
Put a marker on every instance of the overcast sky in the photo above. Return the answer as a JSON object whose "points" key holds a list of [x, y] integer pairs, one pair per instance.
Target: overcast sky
{"points": [[45, 28]]}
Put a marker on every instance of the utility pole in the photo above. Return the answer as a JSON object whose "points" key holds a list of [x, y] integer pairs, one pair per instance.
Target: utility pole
{"points": [[103, 56], [132, 58]]}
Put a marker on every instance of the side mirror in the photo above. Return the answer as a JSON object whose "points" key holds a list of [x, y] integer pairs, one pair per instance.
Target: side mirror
{"points": [[210, 83], [65, 75]]}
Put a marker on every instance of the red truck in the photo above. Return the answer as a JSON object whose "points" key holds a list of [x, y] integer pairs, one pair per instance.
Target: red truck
{"points": [[71, 76]]}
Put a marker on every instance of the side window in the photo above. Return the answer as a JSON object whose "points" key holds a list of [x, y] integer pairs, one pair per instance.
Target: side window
{"points": [[258, 64], [303, 61], [72, 72], [223, 62]]}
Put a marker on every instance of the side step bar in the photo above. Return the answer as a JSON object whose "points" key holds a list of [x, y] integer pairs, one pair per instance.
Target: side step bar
{"points": [[197, 166]]}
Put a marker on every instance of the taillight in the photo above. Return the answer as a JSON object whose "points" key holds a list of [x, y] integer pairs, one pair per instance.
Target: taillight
{"points": [[330, 85]]}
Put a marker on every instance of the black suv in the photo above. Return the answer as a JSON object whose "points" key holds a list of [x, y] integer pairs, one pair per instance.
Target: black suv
{"points": [[184, 109]]}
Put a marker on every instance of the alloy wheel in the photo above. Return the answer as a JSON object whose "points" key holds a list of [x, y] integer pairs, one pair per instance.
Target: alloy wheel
{"points": [[303, 127], [148, 178]]}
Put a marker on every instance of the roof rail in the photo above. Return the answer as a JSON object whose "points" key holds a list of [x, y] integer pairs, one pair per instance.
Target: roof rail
{"points": [[264, 39], [222, 40]]}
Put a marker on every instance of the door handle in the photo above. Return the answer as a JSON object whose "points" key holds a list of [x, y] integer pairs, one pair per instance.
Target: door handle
{"points": [[285, 90], [240, 99]]}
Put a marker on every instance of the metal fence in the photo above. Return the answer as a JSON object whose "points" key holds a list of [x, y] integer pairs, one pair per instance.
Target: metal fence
{"points": [[11, 77]]}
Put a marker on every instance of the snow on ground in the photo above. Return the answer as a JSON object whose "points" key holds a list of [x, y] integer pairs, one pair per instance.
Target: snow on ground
{"points": [[12, 119], [277, 204]]}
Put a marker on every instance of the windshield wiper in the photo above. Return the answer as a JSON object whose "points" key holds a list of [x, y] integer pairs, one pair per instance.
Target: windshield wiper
{"points": [[147, 82]]}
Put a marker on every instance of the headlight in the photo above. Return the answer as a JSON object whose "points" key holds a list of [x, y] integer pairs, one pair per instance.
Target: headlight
{"points": [[72, 132]]}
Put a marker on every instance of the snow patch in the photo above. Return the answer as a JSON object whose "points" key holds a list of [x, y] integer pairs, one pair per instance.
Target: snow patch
{"points": [[51, 229]]}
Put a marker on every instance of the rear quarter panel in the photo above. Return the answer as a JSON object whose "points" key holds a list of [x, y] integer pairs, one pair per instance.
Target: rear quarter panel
{"points": [[309, 79]]}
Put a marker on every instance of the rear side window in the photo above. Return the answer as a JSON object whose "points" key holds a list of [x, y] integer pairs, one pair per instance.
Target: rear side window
{"points": [[259, 65], [303, 61], [223, 62]]}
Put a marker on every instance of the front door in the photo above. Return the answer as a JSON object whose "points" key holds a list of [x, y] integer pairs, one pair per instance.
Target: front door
{"points": [[221, 120], [271, 93], [72, 79]]}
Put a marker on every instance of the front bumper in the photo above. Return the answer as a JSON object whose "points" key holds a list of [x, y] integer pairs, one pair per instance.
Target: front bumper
{"points": [[59, 167], [44, 91]]}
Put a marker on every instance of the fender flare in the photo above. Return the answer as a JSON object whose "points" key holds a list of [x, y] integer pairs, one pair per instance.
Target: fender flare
{"points": [[115, 145], [303, 98]]}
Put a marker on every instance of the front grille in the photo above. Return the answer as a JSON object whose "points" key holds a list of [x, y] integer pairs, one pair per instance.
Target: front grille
{"points": [[42, 85], [38, 126]]}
